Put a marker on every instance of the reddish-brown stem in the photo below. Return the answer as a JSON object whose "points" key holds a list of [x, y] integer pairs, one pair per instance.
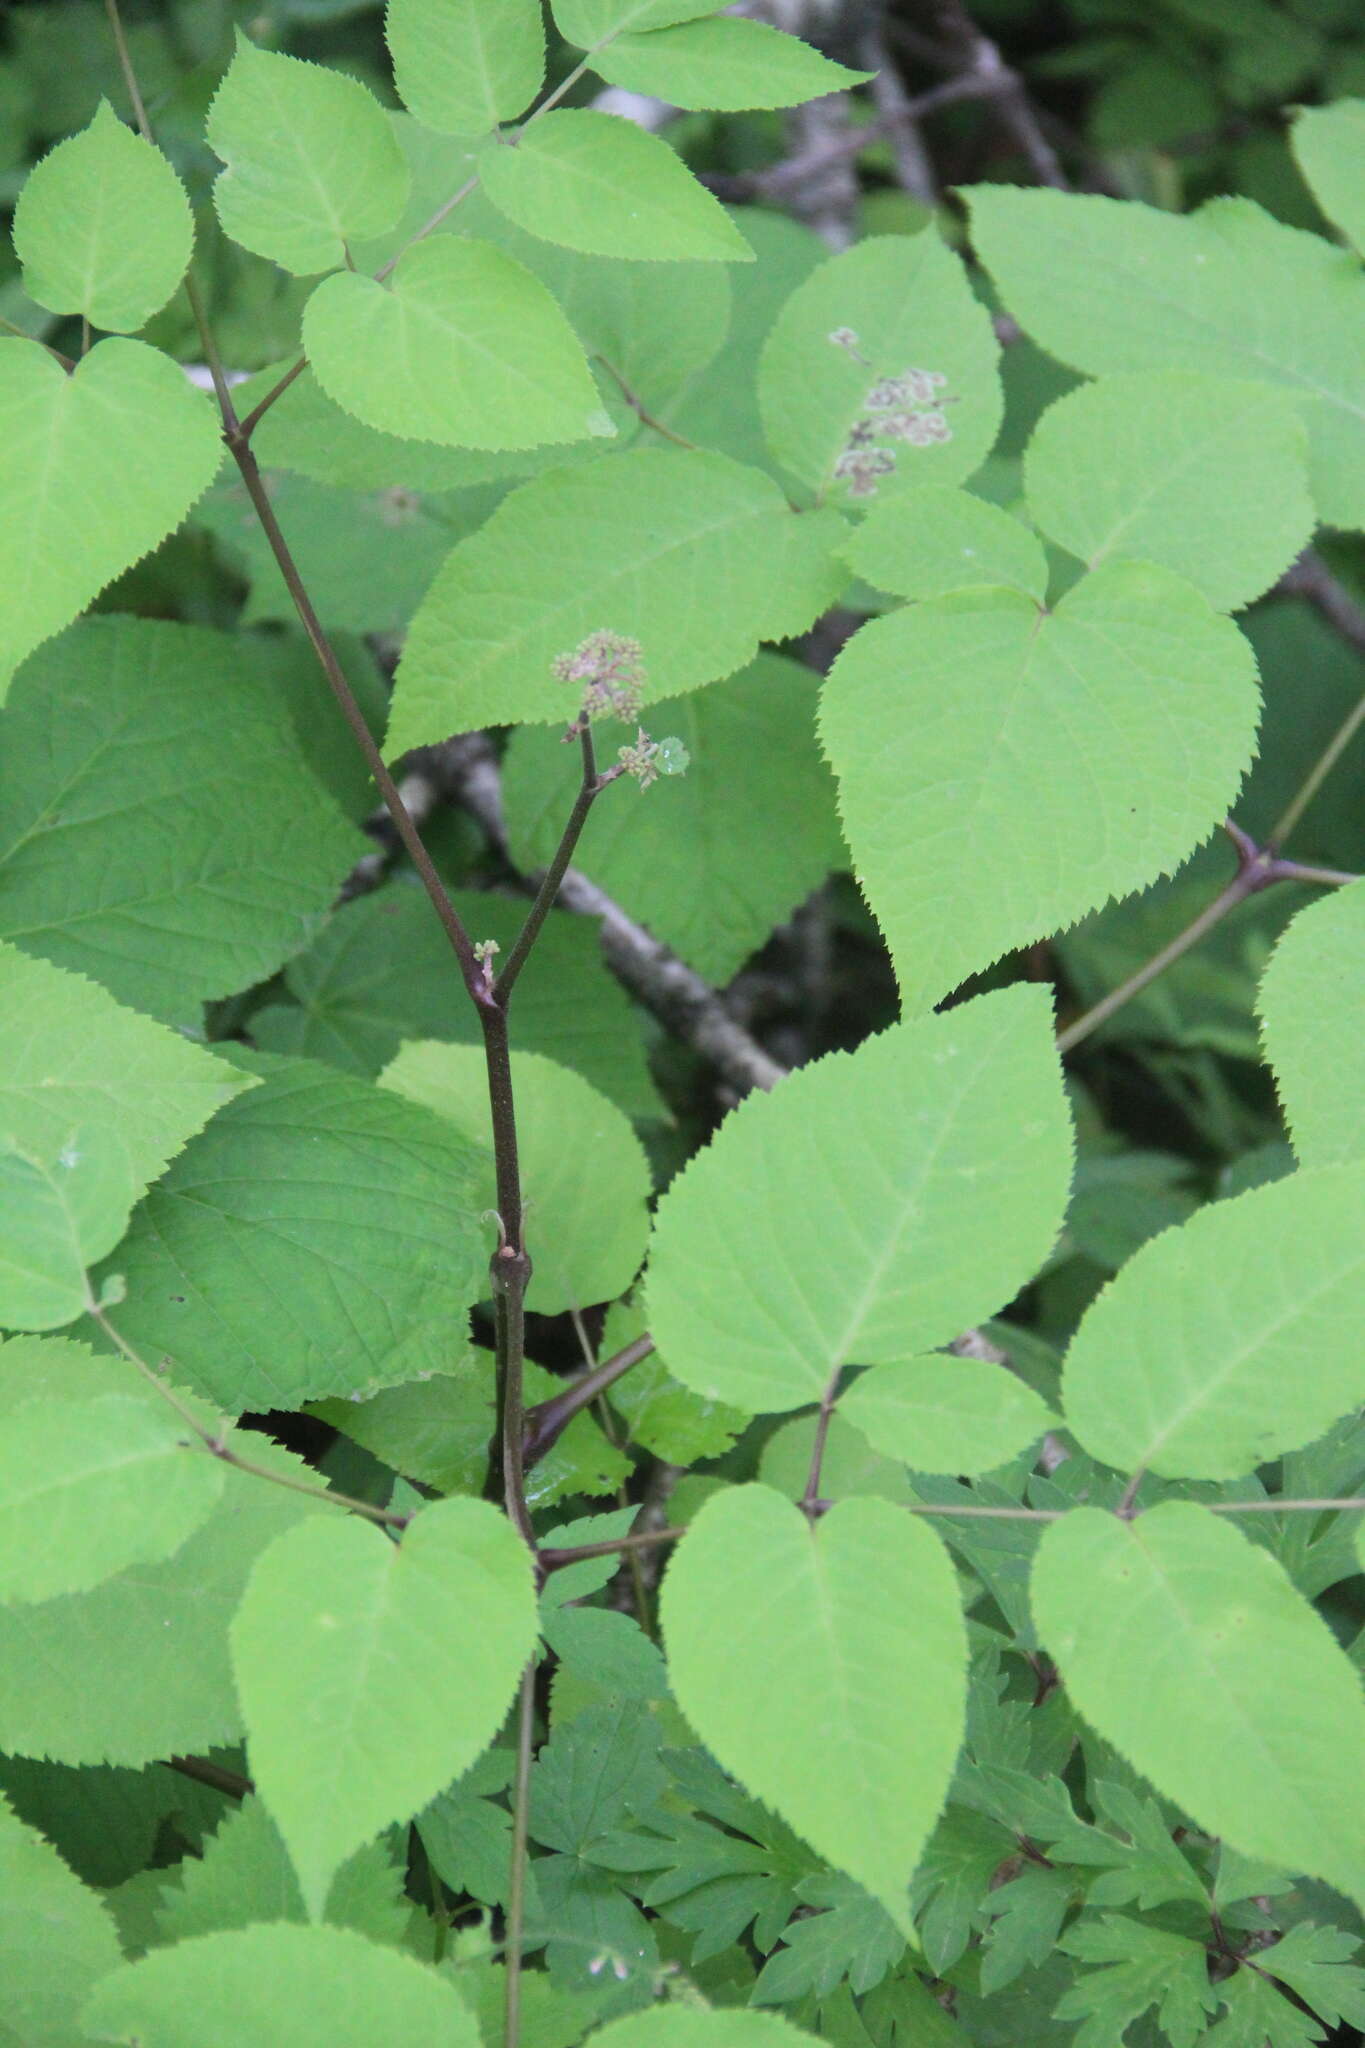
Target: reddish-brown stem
{"points": [[546, 1422]]}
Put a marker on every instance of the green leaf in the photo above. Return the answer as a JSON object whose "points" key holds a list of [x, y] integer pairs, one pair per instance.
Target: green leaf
{"points": [[661, 1415], [655, 325], [307, 432], [338, 1749], [1106, 284], [462, 66], [1185, 1645], [365, 559], [707, 859], [689, 2026], [1318, 1963], [872, 1205], [110, 1482], [468, 1839], [103, 227], [244, 1875], [694, 556], [603, 1761], [926, 542], [1003, 771], [383, 971], [606, 1651], [852, 1940], [598, 183], [914, 393], [435, 1430], [589, 23], [327, 1243], [93, 1102], [1144, 1966], [1311, 1002], [312, 1987], [159, 830], [581, 1462], [1201, 473], [1329, 143], [78, 511], [824, 1666], [1229, 1341], [511, 373], [56, 1940], [312, 160], [584, 1175], [722, 64], [138, 1668], [958, 1415]]}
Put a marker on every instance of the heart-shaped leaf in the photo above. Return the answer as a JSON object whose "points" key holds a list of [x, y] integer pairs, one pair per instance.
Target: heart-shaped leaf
{"points": [[824, 1666], [1003, 770], [99, 467], [466, 347], [370, 1675]]}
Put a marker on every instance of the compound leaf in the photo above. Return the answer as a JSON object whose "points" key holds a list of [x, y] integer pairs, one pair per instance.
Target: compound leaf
{"points": [[1107, 285], [338, 1749], [1227, 1341], [1311, 1003], [464, 347], [103, 227], [874, 1204], [708, 860], [93, 1102], [326, 1244], [824, 1666], [880, 373], [1143, 1966], [1185, 1645], [159, 830], [696, 557], [312, 160], [1003, 771], [584, 1175], [462, 66], [76, 509], [1202, 473], [312, 1987], [56, 1940], [599, 183], [589, 23], [721, 64]]}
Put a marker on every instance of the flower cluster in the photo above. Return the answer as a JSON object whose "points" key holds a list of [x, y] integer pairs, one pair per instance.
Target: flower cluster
{"points": [[906, 408], [609, 667], [648, 759]]}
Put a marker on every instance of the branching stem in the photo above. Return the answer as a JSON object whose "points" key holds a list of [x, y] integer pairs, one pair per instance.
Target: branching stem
{"points": [[546, 1423], [1257, 868]]}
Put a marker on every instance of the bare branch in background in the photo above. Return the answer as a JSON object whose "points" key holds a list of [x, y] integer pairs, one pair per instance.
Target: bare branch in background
{"points": [[980, 61]]}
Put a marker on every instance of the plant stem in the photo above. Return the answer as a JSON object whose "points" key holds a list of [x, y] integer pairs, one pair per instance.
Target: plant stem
{"points": [[1319, 772], [1257, 868], [516, 1887], [638, 407], [546, 1422], [67, 362], [451, 921], [216, 1444], [589, 790], [205, 1772], [258, 413], [811, 1494], [1352, 1503]]}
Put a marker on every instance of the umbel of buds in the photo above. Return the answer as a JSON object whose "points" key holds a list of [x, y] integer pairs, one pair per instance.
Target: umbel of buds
{"points": [[609, 669], [648, 759]]}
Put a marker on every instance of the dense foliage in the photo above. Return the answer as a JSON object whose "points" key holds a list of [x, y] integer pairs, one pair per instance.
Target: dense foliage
{"points": [[682, 1101]]}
